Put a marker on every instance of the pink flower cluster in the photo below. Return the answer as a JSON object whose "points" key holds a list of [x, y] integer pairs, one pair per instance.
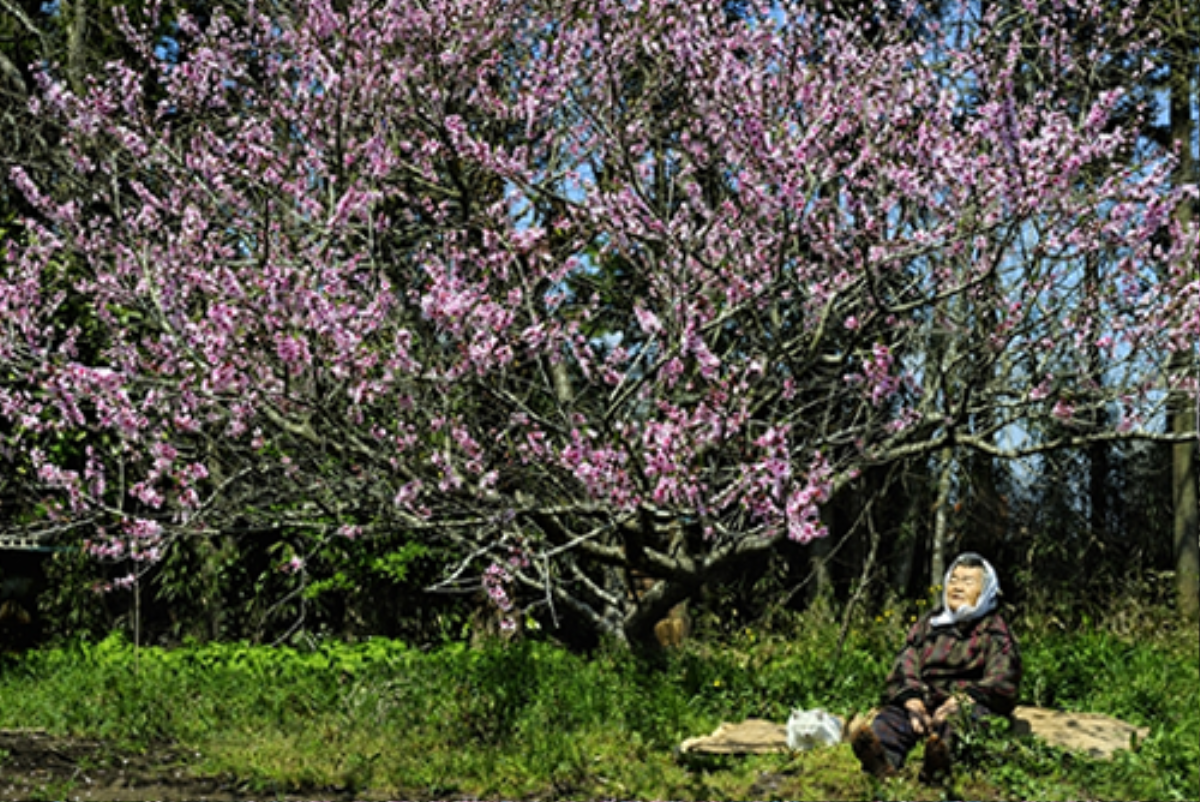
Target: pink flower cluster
{"points": [[878, 377], [452, 270], [496, 583]]}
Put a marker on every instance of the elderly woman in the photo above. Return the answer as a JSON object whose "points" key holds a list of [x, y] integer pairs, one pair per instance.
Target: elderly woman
{"points": [[959, 663]]}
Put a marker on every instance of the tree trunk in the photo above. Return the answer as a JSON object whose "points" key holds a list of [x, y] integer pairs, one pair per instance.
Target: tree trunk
{"points": [[937, 560], [821, 581], [664, 601], [1183, 408], [77, 14], [907, 544], [1098, 454], [1187, 522]]}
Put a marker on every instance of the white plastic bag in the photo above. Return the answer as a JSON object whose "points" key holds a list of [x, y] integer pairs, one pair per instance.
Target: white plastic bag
{"points": [[809, 728]]}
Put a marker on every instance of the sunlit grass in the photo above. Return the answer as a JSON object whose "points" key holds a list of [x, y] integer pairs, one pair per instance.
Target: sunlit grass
{"points": [[533, 721]]}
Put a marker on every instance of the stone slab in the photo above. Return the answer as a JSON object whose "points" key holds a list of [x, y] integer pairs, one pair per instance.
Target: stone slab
{"points": [[1094, 734]]}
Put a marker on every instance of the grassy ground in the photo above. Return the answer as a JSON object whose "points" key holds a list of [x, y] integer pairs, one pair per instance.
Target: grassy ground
{"points": [[378, 720]]}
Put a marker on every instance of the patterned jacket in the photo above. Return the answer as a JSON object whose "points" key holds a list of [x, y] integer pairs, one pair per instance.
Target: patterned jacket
{"points": [[979, 658]]}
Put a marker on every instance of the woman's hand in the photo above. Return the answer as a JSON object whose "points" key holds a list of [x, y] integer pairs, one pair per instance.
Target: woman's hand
{"points": [[947, 709], [918, 716]]}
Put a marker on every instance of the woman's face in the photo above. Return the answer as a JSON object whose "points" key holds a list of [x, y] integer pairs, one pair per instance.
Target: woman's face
{"points": [[964, 587]]}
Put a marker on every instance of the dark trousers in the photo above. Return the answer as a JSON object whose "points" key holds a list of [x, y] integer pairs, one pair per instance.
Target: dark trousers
{"points": [[894, 729]]}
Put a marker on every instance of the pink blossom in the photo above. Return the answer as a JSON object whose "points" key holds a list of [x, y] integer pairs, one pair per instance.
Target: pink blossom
{"points": [[648, 321], [482, 271]]}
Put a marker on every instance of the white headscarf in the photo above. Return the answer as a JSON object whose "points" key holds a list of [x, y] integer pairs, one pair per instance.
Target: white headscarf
{"points": [[988, 597]]}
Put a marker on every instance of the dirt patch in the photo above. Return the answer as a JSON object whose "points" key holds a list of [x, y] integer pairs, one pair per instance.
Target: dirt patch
{"points": [[35, 765]]}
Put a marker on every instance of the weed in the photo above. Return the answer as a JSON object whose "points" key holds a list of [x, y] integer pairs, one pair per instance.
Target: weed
{"points": [[52, 791], [532, 720]]}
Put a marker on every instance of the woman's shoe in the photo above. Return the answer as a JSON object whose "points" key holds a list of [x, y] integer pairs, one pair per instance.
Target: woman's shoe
{"points": [[937, 764], [870, 754]]}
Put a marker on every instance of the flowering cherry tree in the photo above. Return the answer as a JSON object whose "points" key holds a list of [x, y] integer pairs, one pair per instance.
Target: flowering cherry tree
{"points": [[585, 291]]}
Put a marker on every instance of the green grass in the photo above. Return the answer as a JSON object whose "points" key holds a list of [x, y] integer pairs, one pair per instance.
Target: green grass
{"points": [[531, 721]]}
